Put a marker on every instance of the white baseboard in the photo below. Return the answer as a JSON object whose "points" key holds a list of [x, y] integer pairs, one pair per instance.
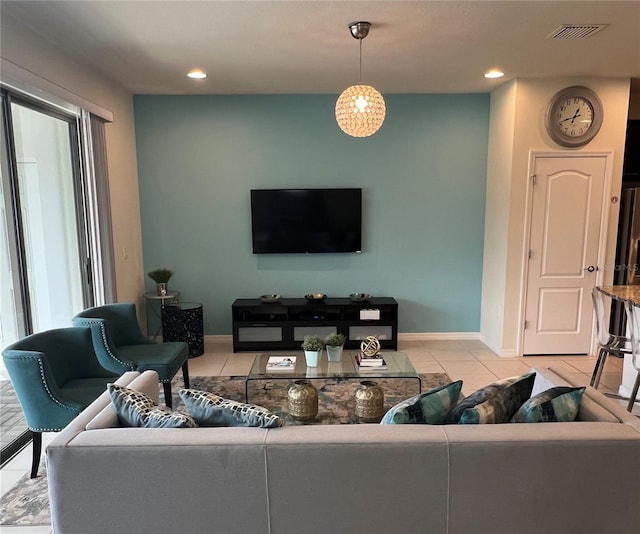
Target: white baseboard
{"points": [[404, 336], [503, 353], [407, 336], [427, 336], [219, 338]]}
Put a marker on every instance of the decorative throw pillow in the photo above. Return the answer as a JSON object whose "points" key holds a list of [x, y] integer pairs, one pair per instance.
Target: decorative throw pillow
{"points": [[209, 409], [495, 403], [134, 408], [430, 407], [558, 404]]}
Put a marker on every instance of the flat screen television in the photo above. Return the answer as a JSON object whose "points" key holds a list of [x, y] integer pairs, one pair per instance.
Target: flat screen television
{"points": [[289, 221]]}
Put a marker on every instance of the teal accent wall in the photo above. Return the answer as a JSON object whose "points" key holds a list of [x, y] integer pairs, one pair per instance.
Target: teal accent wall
{"points": [[423, 177]]}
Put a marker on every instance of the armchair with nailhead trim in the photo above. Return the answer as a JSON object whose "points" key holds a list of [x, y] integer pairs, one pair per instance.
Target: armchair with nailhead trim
{"points": [[55, 374], [121, 346]]}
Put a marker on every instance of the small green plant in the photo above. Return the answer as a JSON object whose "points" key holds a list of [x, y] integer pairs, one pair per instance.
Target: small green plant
{"points": [[160, 276], [335, 340], [312, 343]]}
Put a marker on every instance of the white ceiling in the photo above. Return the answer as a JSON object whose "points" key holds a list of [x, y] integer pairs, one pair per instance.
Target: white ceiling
{"points": [[250, 47]]}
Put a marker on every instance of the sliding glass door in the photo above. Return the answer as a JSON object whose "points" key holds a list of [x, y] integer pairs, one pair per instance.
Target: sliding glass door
{"points": [[50, 214], [12, 326], [45, 275]]}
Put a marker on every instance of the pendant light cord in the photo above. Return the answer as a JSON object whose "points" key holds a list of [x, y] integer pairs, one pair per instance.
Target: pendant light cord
{"points": [[360, 41]]}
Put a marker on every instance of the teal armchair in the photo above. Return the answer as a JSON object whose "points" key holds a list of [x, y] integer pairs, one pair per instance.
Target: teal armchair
{"points": [[121, 346], [55, 374]]}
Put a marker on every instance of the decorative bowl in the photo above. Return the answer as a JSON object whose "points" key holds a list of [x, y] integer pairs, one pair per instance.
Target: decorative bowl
{"points": [[315, 297], [360, 297], [269, 298]]}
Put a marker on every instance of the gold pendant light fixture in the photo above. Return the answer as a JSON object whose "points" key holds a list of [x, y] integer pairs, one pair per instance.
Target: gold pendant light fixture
{"points": [[360, 109]]}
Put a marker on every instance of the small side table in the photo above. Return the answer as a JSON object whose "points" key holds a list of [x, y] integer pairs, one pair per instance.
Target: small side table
{"points": [[182, 321], [153, 311]]}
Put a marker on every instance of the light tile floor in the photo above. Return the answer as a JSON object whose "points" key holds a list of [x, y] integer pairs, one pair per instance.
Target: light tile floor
{"points": [[468, 360]]}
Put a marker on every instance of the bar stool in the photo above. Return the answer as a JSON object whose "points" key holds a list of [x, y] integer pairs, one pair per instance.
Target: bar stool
{"points": [[633, 318], [608, 343]]}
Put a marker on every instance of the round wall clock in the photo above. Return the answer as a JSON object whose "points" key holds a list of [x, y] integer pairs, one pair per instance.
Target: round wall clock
{"points": [[574, 116]]}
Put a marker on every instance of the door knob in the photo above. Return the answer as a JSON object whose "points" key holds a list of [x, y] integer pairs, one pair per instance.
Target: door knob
{"points": [[590, 269]]}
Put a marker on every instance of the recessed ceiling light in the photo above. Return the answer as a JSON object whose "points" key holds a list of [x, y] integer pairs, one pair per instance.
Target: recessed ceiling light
{"points": [[197, 74], [494, 73]]}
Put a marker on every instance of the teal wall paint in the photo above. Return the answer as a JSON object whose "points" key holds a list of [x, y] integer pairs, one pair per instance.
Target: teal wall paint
{"points": [[423, 177]]}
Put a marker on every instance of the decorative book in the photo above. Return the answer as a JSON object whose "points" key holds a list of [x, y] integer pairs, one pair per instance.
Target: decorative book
{"points": [[281, 363], [372, 368], [376, 362]]}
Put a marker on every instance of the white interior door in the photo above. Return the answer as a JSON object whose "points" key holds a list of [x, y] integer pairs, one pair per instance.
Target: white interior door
{"points": [[566, 221]]}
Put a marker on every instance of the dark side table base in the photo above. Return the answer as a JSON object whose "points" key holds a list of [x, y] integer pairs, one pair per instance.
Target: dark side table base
{"points": [[184, 324]]}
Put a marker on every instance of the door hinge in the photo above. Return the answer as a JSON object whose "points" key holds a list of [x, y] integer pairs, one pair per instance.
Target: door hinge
{"points": [[526, 325], [530, 253], [533, 179]]}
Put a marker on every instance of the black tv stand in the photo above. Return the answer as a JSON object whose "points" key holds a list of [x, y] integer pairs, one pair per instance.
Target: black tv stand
{"points": [[282, 325]]}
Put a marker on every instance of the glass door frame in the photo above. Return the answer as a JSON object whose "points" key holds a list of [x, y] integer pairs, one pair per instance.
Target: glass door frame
{"points": [[9, 177], [15, 224]]}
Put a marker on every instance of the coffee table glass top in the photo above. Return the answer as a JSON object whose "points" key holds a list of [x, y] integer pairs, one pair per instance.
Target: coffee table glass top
{"points": [[398, 366]]}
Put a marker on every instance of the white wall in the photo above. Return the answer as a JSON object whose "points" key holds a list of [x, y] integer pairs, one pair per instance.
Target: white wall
{"points": [[531, 99], [517, 127], [496, 226], [29, 51]]}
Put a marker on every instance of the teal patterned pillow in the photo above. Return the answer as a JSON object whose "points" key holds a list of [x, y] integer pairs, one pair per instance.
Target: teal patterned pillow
{"points": [[137, 409], [559, 404], [495, 403], [209, 409], [430, 407]]}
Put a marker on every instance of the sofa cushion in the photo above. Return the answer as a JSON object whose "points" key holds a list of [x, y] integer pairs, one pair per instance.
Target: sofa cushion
{"points": [[559, 404], [594, 406], [495, 403], [209, 409], [136, 409], [430, 407], [147, 382], [107, 418]]}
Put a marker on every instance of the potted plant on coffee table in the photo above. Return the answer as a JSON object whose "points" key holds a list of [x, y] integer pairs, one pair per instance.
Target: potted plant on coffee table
{"points": [[312, 346], [160, 277], [335, 344]]}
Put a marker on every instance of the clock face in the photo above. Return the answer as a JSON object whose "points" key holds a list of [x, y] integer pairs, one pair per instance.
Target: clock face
{"points": [[574, 116]]}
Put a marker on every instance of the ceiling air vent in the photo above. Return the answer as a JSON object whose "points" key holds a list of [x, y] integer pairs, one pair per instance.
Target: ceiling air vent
{"points": [[575, 31]]}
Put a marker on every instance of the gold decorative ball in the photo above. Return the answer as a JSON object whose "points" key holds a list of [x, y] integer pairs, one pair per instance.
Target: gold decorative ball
{"points": [[370, 346]]}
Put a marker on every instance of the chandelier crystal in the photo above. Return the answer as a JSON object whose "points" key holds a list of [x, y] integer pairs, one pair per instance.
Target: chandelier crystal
{"points": [[360, 109]]}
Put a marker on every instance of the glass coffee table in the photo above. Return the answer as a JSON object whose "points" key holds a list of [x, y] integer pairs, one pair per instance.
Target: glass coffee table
{"points": [[398, 366]]}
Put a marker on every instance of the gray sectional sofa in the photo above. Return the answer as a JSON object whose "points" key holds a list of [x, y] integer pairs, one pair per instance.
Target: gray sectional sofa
{"points": [[543, 478]]}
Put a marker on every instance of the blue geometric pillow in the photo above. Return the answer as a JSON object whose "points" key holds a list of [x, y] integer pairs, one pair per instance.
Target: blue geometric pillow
{"points": [[430, 407], [211, 410], [559, 404], [136, 409], [495, 403]]}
